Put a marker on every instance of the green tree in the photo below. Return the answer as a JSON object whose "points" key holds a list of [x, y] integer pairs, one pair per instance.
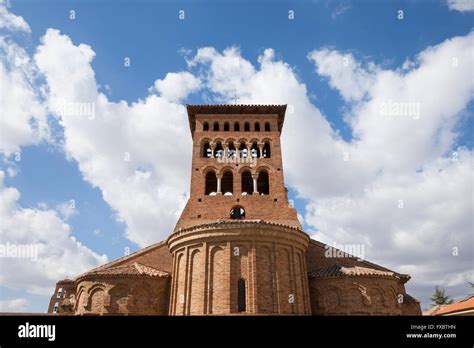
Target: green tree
{"points": [[440, 298]]}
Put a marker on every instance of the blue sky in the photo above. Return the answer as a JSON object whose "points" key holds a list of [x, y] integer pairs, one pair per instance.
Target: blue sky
{"points": [[157, 42]]}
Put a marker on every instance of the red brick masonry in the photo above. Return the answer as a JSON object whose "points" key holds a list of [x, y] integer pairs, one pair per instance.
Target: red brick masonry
{"points": [[238, 247]]}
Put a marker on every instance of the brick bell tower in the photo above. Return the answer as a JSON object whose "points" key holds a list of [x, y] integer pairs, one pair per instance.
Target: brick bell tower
{"points": [[238, 247]]}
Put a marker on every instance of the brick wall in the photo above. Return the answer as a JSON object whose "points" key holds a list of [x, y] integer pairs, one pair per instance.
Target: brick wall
{"points": [[122, 295], [203, 208], [209, 261]]}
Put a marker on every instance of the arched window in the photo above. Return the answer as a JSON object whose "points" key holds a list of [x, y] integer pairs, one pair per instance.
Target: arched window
{"points": [[237, 213], [227, 183], [56, 307], [243, 150], [257, 127], [241, 295], [211, 183], [226, 127], [263, 185], [247, 127], [266, 150], [267, 126], [206, 150], [205, 126], [216, 126], [231, 150], [60, 292], [219, 150], [255, 151], [247, 183], [236, 127]]}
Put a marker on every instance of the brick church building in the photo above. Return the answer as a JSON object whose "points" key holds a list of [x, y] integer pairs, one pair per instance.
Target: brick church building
{"points": [[238, 247]]}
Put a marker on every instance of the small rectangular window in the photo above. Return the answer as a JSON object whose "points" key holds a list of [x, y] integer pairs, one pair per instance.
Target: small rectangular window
{"points": [[241, 301]]}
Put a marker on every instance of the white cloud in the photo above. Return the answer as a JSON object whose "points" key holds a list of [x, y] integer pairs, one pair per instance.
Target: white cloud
{"points": [[406, 157], [24, 120], [437, 89], [461, 5], [344, 72], [391, 157], [67, 209], [15, 305], [138, 154], [225, 73], [12, 22], [53, 253], [176, 86], [410, 222]]}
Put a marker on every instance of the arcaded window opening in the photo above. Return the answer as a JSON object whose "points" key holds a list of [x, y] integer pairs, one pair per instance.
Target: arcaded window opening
{"points": [[219, 150], [216, 126], [226, 127], [227, 183], [267, 126], [206, 150], [266, 150], [231, 151], [247, 127], [211, 183], [243, 150], [247, 183], [257, 127], [255, 151], [263, 185], [236, 127], [205, 126]]}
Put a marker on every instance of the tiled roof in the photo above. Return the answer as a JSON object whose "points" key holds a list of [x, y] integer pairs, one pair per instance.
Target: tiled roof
{"points": [[434, 310], [362, 263], [135, 268], [460, 306], [235, 109], [340, 271], [124, 258], [66, 280]]}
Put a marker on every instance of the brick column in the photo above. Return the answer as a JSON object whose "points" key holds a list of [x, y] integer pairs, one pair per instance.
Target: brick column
{"points": [[219, 177], [255, 189], [260, 147], [213, 146]]}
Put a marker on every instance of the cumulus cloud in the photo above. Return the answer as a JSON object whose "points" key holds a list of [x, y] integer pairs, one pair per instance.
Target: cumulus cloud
{"points": [[176, 86], [461, 5], [344, 73], [24, 119], [37, 246], [405, 154], [67, 209], [11, 22], [405, 130], [137, 154], [15, 305], [406, 119], [404, 124]]}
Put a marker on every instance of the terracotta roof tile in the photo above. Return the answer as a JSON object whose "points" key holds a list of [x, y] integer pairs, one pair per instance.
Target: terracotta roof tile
{"points": [[123, 258], [341, 271], [132, 269], [460, 306]]}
